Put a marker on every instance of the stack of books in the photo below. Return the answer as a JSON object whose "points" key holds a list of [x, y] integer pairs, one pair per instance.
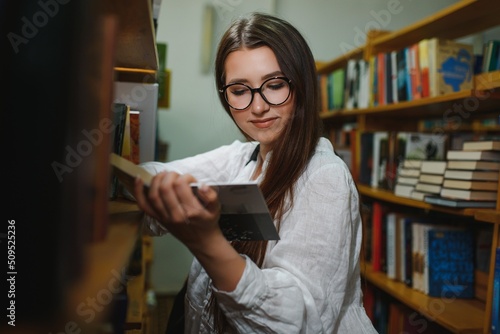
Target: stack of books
{"points": [[430, 179], [471, 176], [407, 178]]}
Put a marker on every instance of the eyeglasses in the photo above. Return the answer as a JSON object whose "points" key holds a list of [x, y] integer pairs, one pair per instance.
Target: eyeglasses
{"points": [[274, 91]]}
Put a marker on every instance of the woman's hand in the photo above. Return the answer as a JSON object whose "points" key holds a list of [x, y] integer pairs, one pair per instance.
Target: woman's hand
{"points": [[194, 220], [190, 218]]}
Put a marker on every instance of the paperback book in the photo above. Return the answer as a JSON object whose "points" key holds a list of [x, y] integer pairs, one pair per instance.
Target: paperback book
{"points": [[244, 212]]}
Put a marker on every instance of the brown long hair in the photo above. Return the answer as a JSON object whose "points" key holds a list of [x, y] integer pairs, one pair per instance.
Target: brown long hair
{"points": [[293, 150]]}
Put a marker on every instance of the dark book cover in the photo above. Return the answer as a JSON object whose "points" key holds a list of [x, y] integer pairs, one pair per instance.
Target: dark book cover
{"points": [[451, 263], [366, 157], [408, 274], [119, 112]]}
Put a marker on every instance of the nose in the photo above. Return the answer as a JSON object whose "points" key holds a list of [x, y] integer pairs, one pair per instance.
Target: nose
{"points": [[259, 105]]}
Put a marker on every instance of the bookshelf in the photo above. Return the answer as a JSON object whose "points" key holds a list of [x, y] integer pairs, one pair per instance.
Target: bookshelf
{"points": [[461, 19], [73, 243]]}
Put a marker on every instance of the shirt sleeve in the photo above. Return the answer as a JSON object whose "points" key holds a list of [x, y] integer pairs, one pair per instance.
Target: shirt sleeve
{"points": [[310, 278]]}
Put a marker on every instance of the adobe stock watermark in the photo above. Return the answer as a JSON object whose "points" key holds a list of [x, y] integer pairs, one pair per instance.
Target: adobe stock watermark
{"points": [[32, 25], [435, 307], [225, 7], [89, 309], [85, 147], [381, 19]]}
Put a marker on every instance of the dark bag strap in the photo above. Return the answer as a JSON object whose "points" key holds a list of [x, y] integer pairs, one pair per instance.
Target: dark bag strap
{"points": [[175, 324]]}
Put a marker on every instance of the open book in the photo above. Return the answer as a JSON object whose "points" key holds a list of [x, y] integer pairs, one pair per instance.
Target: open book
{"points": [[244, 212]]}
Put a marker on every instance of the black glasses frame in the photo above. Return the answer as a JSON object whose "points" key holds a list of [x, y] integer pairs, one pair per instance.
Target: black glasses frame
{"points": [[223, 90]]}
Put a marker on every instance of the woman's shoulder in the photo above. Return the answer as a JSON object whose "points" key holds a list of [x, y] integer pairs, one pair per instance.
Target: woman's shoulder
{"points": [[325, 156], [326, 165]]}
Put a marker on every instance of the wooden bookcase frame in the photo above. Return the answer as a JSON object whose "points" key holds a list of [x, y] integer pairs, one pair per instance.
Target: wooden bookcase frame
{"points": [[458, 20]]}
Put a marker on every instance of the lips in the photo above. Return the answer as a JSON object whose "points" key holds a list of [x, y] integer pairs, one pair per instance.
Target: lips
{"points": [[263, 123]]}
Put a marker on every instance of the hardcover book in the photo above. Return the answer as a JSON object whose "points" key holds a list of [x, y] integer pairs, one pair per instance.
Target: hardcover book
{"points": [[473, 155], [477, 175], [244, 212], [473, 165], [451, 66], [472, 195], [482, 145], [495, 307], [450, 255]]}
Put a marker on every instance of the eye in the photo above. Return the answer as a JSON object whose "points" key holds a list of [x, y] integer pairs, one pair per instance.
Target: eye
{"points": [[237, 90], [275, 85]]}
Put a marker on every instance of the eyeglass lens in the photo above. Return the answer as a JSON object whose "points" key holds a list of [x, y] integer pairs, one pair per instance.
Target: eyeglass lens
{"points": [[274, 91]]}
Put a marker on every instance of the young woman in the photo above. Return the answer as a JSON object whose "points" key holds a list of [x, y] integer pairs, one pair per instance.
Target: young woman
{"points": [[308, 281]]}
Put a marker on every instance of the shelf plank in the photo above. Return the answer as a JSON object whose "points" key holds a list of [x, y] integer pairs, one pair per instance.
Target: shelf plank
{"points": [[458, 103], [488, 216], [456, 315], [388, 196], [105, 260]]}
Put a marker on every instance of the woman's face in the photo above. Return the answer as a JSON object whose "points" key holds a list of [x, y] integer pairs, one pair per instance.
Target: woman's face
{"points": [[260, 120]]}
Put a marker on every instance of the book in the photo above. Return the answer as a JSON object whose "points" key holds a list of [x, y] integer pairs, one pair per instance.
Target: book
{"points": [[244, 212], [428, 188], [419, 195], [472, 195], [377, 238], [451, 66], [134, 119], [459, 203], [425, 146], [119, 111], [473, 155], [495, 301], [481, 145], [473, 165], [403, 190], [415, 73], [471, 175], [431, 178], [407, 180], [450, 258], [423, 52], [409, 172], [391, 239], [433, 167], [380, 158], [470, 184]]}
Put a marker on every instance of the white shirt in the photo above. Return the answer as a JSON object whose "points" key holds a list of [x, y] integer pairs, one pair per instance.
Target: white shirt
{"points": [[310, 280]]}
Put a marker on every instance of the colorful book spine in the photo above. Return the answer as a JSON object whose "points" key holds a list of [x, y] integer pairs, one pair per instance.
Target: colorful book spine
{"points": [[495, 307]]}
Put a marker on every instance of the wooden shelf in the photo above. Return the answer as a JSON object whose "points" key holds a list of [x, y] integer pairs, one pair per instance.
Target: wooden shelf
{"points": [[432, 106], [105, 261], [136, 44], [488, 216], [460, 19], [387, 196], [457, 315]]}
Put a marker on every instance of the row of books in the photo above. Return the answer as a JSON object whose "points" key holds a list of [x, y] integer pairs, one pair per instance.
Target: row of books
{"points": [[125, 138], [382, 153], [467, 178], [428, 68], [427, 255], [491, 56]]}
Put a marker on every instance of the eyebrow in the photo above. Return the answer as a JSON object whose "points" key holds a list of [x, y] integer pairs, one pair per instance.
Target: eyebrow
{"points": [[267, 76]]}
